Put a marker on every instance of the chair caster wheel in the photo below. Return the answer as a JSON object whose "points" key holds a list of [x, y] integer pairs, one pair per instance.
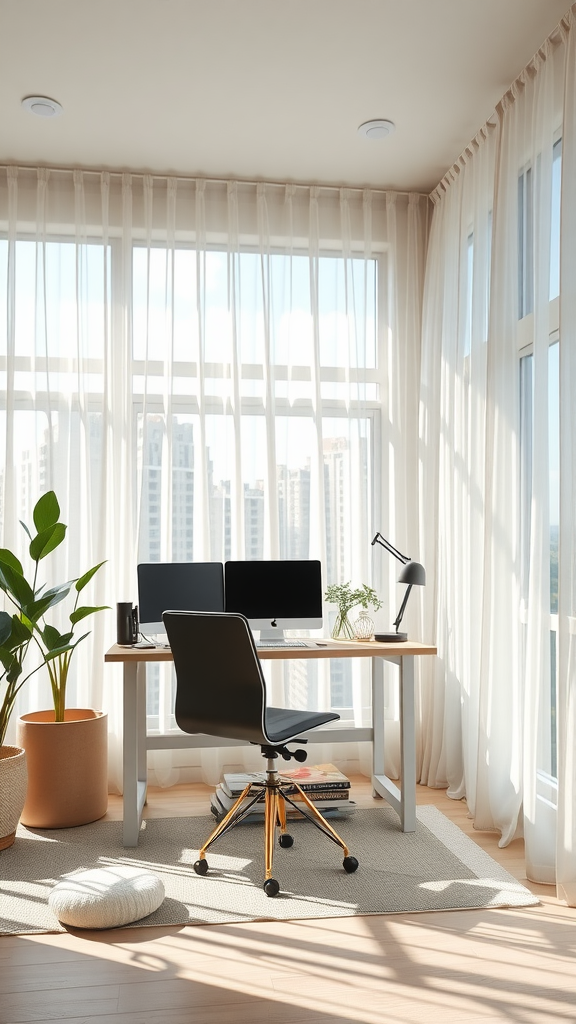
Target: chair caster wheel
{"points": [[271, 887], [285, 840], [201, 866], [350, 864]]}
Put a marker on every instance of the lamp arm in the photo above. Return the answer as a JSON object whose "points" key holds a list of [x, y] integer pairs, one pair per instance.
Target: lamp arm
{"points": [[398, 618], [379, 539]]}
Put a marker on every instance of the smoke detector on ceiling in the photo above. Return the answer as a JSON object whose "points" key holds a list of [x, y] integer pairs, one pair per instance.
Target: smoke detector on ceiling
{"points": [[42, 106], [376, 129]]}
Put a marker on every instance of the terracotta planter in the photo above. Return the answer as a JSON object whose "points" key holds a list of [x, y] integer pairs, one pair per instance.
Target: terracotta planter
{"points": [[67, 767], [13, 782]]}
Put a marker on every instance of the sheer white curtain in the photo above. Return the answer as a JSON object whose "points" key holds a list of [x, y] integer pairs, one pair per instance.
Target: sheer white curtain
{"points": [[207, 370], [566, 829], [498, 708], [453, 465]]}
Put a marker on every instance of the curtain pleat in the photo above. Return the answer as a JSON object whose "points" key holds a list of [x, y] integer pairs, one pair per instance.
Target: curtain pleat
{"points": [[566, 828]]}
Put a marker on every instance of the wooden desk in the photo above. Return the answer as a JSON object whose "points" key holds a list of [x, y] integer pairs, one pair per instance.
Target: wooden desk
{"points": [[136, 742]]}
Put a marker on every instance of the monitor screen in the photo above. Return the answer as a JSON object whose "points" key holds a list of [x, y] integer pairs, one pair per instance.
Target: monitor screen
{"points": [[275, 595], [179, 586]]}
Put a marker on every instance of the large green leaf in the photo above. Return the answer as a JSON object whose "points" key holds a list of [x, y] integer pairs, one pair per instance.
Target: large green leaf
{"points": [[14, 672], [52, 655], [81, 613], [57, 651], [11, 665], [81, 583], [6, 658], [36, 609], [46, 512], [25, 528], [20, 634], [51, 637], [45, 542], [15, 584], [57, 593], [8, 558], [5, 626]]}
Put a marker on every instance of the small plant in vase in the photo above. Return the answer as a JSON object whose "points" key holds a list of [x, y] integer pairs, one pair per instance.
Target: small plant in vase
{"points": [[347, 598]]}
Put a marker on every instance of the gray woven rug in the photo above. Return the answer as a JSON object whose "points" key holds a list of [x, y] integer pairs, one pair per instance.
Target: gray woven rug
{"points": [[435, 868]]}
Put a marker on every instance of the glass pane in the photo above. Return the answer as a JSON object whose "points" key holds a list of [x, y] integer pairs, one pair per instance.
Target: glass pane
{"points": [[62, 305], [164, 304], [525, 244], [347, 312], [554, 455], [554, 462], [526, 442], [547, 756], [555, 225]]}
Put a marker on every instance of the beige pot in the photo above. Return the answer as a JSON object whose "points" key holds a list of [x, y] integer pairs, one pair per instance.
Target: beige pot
{"points": [[67, 767], [13, 782]]}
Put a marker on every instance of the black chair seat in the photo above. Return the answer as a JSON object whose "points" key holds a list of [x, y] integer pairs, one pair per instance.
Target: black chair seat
{"points": [[283, 725]]}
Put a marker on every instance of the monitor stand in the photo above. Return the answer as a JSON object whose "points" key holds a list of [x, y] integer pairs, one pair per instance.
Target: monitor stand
{"points": [[156, 639], [274, 635]]}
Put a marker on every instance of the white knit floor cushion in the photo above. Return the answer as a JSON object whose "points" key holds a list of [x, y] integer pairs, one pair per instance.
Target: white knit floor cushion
{"points": [[106, 897]]}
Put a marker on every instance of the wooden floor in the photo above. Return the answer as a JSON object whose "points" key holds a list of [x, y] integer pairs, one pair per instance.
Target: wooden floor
{"points": [[517, 966]]}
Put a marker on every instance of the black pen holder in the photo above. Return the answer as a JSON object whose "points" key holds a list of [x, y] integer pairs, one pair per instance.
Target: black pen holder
{"points": [[126, 623]]}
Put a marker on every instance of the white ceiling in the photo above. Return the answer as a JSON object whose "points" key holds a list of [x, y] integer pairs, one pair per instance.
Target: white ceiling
{"points": [[261, 89]]}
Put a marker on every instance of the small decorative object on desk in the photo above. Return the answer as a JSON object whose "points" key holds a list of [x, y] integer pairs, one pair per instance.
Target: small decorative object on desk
{"points": [[346, 598], [363, 626]]}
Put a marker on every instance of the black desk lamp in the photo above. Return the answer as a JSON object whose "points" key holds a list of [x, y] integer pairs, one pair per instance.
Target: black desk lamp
{"points": [[413, 574]]}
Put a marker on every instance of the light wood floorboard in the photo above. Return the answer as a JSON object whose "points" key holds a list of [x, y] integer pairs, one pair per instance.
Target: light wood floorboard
{"points": [[470, 967]]}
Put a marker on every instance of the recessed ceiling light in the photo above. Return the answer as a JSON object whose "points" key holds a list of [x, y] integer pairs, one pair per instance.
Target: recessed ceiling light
{"points": [[376, 129], [42, 106]]}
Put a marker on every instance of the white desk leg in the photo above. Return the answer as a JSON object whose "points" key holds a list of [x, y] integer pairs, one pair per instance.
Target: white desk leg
{"points": [[402, 800], [134, 753], [407, 744], [377, 718]]}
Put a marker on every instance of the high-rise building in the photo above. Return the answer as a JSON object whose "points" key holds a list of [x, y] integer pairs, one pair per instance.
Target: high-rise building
{"points": [[254, 520], [153, 540], [336, 471], [294, 511]]}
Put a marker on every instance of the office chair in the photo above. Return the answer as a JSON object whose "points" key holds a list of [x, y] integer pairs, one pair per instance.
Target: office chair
{"points": [[221, 691]]}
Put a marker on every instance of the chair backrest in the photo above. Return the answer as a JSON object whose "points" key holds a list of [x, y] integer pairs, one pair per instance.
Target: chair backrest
{"points": [[220, 689]]}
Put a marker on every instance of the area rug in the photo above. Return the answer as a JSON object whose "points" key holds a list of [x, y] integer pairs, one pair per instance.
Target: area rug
{"points": [[435, 868]]}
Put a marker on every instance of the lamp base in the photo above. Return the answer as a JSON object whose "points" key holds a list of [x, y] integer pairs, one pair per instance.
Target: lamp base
{"points": [[391, 638]]}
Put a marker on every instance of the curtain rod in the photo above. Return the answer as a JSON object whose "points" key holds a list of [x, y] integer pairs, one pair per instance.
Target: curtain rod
{"points": [[213, 181]]}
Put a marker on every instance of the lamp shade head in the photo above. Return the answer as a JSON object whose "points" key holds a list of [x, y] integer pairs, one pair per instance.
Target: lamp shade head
{"points": [[414, 574]]}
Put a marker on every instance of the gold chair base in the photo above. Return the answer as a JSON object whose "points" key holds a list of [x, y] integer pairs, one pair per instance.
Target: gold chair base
{"points": [[275, 816]]}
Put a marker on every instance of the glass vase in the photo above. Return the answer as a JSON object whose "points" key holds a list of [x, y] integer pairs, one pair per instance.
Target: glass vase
{"points": [[342, 628]]}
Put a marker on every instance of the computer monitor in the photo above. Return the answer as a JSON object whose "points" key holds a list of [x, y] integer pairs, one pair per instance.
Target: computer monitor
{"points": [[181, 586], [275, 595]]}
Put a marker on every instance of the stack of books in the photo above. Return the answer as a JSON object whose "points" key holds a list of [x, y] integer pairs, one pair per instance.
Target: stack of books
{"points": [[324, 785]]}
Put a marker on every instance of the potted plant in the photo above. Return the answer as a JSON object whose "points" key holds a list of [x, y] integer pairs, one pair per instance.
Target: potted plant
{"points": [[14, 639], [66, 749], [346, 598]]}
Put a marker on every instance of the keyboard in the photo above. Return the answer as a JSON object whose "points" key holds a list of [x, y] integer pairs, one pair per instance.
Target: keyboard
{"points": [[281, 643]]}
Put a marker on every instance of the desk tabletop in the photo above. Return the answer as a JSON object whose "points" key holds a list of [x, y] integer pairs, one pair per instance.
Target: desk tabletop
{"points": [[313, 649]]}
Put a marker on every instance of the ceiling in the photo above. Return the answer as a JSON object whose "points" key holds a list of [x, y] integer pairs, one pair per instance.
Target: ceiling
{"points": [[261, 89]]}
